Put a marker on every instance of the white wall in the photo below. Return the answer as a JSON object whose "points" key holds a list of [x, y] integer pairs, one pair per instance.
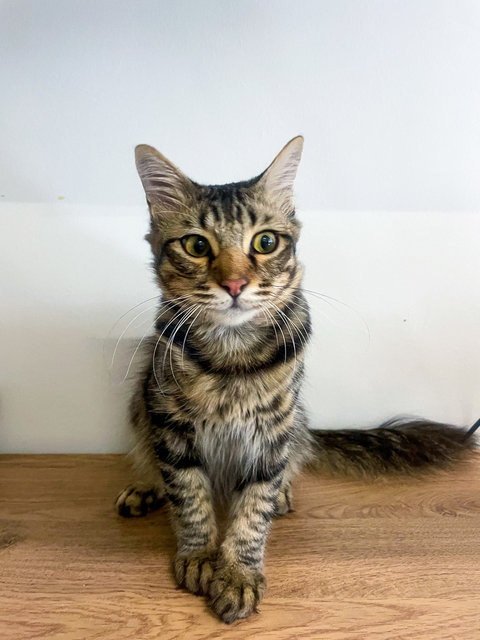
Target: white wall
{"points": [[385, 92], [387, 96]]}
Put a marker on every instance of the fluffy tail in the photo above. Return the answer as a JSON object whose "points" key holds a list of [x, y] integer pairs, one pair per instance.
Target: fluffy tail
{"points": [[401, 446]]}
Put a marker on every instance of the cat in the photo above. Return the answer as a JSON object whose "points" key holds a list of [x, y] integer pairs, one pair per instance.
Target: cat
{"points": [[218, 411]]}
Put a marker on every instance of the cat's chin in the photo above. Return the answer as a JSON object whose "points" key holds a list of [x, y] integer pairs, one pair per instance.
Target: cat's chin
{"points": [[233, 316]]}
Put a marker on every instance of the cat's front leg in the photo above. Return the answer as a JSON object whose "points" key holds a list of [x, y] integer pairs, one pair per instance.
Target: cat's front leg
{"points": [[238, 583], [188, 491]]}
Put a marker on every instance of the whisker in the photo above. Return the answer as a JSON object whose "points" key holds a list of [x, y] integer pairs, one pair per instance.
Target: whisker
{"points": [[300, 302], [287, 321], [168, 306], [323, 296], [125, 331], [158, 342], [287, 325], [280, 328], [131, 322], [328, 300], [318, 310], [189, 312], [302, 325], [135, 306], [273, 327], [186, 334]]}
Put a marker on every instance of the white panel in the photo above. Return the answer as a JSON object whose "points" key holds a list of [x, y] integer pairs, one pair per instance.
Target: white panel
{"points": [[69, 272]]}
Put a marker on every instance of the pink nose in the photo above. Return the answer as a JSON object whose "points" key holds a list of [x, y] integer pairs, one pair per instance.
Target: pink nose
{"points": [[234, 287]]}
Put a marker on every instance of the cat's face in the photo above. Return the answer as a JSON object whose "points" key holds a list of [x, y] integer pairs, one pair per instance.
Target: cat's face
{"points": [[224, 251]]}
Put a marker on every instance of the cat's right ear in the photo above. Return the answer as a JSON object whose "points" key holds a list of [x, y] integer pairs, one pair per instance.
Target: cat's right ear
{"points": [[165, 185]]}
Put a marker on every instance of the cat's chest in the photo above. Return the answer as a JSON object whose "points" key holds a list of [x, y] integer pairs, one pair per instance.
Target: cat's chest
{"points": [[233, 435], [229, 449]]}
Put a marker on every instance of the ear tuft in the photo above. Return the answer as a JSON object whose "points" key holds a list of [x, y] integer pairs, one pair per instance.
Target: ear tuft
{"points": [[165, 185], [278, 179]]}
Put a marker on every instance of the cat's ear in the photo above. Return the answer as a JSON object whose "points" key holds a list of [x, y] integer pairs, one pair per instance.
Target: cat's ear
{"points": [[277, 180], [166, 187]]}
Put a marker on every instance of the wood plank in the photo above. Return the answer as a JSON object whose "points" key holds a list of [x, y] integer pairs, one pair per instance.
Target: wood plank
{"points": [[390, 558]]}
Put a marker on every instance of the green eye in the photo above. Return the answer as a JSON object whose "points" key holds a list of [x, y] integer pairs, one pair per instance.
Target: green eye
{"points": [[264, 242], [196, 246]]}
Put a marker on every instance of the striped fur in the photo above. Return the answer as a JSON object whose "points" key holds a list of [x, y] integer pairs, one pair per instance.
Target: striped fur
{"points": [[218, 411]]}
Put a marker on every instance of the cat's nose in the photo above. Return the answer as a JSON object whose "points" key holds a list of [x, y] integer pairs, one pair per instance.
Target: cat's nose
{"points": [[234, 287]]}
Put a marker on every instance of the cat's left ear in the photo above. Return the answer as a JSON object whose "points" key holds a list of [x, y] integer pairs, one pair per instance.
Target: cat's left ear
{"points": [[277, 181]]}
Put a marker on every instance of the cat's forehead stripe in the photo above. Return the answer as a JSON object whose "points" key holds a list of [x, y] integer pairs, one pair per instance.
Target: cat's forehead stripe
{"points": [[226, 207]]}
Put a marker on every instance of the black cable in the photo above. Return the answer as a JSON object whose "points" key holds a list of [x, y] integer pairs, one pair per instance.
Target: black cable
{"points": [[472, 430]]}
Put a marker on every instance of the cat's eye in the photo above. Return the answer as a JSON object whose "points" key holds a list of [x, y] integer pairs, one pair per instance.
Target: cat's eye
{"points": [[264, 242], [196, 246]]}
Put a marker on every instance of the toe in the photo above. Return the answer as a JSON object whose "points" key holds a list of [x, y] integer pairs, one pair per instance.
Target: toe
{"points": [[235, 594], [195, 571]]}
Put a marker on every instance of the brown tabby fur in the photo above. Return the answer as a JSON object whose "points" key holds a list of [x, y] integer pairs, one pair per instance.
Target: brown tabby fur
{"points": [[218, 411]]}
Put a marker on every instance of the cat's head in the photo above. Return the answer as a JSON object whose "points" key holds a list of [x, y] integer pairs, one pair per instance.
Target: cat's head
{"points": [[228, 248]]}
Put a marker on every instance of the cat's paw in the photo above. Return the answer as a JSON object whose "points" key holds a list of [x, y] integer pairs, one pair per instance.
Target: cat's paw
{"points": [[194, 571], [135, 501], [284, 502], [235, 592]]}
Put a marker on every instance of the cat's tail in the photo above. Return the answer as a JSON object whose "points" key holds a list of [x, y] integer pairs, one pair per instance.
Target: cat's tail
{"points": [[401, 446]]}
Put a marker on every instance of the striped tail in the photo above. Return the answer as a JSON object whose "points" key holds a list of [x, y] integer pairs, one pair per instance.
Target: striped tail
{"points": [[400, 446]]}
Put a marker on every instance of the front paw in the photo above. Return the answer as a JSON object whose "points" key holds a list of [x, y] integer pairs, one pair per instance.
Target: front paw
{"points": [[194, 571], [235, 592]]}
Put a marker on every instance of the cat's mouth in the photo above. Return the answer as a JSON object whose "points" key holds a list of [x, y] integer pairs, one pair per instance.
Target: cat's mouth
{"points": [[236, 313], [240, 306], [236, 304]]}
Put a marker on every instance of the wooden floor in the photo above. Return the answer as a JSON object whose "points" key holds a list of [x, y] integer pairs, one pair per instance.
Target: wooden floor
{"points": [[382, 560]]}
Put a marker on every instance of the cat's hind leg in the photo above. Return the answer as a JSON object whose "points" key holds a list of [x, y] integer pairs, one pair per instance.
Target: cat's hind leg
{"points": [[139, 499], [284, 500]]}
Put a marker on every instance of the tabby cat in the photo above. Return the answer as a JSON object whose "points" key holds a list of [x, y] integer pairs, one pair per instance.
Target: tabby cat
{"points": [[218, 412]]}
